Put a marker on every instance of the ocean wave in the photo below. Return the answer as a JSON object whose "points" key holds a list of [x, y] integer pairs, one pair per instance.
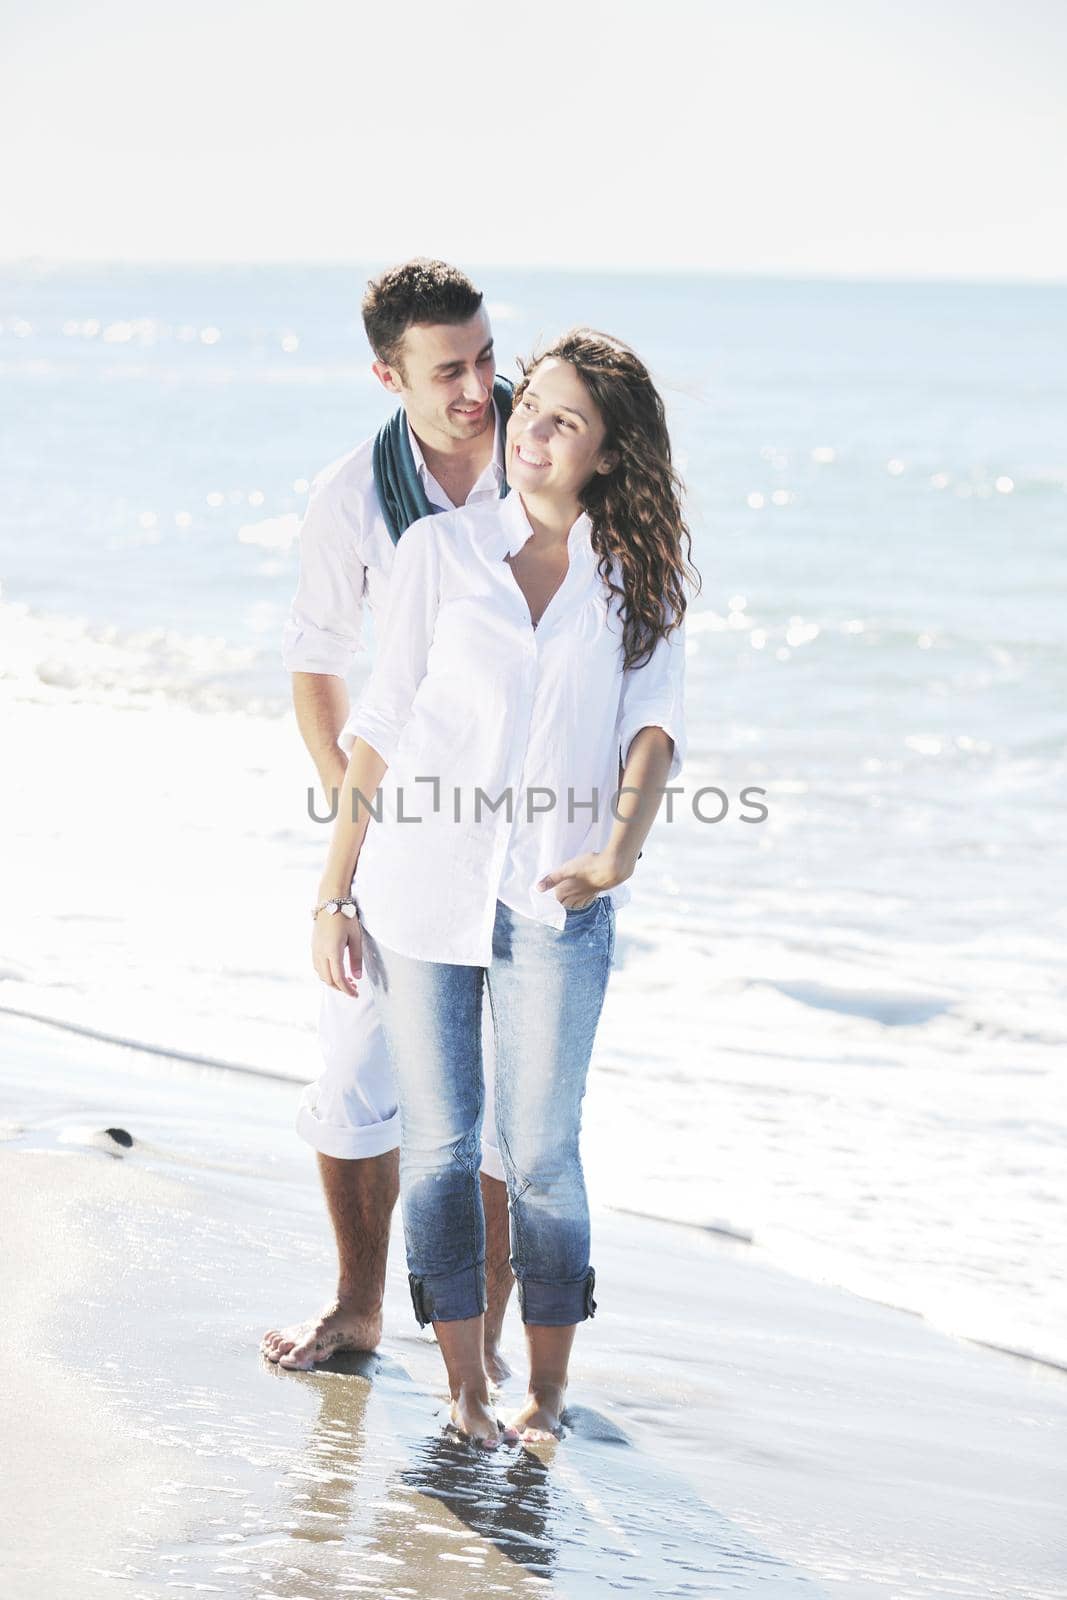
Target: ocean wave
{"points": [[892, 1010], [164, 1052], [273, 533], [48, 657]]}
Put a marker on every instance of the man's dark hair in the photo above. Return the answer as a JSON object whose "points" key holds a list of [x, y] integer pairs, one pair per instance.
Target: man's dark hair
{"points": [[417, 291]]}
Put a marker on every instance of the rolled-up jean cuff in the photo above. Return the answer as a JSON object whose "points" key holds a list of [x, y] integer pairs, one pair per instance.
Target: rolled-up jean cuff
{"points": [[557, 1305], [449, 1297]]}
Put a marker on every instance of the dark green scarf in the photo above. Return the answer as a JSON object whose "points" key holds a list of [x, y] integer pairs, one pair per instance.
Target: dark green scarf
{"points": [[400, 492]]}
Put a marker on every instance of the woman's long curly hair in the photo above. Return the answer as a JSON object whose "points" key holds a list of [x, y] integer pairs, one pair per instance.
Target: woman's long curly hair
{"points": [[636, 508]]}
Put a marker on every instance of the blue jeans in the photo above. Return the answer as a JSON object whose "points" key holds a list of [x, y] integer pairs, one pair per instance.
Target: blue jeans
{"points": [[546, 989]]}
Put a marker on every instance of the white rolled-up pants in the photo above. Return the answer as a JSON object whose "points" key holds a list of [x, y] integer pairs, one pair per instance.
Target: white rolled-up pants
{"points": [[350, 1111]]}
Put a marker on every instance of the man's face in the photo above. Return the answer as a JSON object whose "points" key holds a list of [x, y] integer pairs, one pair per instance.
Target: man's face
{"points": [[445, 378]]}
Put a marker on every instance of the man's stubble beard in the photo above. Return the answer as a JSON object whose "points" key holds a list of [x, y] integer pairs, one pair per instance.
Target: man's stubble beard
{"points": [[458, 431], [446, 424]]}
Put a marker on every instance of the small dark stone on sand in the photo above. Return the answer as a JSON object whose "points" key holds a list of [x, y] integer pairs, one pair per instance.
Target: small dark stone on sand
{"points": [[120, 1136]]}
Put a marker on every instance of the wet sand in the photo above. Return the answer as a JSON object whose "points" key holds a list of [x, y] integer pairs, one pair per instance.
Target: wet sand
{"points": [[734, 1431]]}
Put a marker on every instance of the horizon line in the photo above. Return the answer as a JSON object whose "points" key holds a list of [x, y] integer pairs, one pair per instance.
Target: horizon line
{"points": [[735, 274]]}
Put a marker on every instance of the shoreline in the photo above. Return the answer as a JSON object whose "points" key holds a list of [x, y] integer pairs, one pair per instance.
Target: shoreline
{"points": [[715, 1230]]}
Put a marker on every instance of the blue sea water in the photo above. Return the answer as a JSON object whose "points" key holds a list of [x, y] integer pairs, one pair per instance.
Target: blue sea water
{"points": [[839, 1031]]}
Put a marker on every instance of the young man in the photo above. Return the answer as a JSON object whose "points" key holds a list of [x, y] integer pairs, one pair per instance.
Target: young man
{"points": [[433, 349]]}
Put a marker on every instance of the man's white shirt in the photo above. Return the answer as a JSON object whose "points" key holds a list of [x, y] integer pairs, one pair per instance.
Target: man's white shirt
{"points": [[346, 556]]}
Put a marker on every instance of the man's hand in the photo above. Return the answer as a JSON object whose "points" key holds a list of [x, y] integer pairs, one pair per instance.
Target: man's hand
{"points": [[578, 881]]}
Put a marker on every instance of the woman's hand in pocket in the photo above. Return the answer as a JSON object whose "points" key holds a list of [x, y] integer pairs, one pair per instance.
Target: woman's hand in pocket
{"points": [[337, 950], [578, 881]]}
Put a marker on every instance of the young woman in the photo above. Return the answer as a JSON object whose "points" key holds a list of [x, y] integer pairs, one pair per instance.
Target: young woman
{"points": [[526, 703]]}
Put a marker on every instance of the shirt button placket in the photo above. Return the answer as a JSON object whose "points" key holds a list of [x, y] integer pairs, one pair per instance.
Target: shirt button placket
{"points": [[517, 758]]}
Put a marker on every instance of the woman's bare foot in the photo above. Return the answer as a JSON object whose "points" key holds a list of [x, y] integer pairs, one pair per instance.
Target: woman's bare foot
{"points": [[539, 1419], [339, 1327], [473, 1416]]}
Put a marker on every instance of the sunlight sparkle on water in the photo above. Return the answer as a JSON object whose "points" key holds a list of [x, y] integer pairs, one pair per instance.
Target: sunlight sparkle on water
{"points": [[800, 632]]}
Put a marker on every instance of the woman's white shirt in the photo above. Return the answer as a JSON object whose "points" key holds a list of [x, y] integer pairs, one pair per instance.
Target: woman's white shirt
{"points": [[503, 741]]}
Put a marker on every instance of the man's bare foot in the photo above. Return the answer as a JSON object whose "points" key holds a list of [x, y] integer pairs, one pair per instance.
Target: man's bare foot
{"points": [[473, 1416], [337, 1328], [496, 1367], [539, 1419]]}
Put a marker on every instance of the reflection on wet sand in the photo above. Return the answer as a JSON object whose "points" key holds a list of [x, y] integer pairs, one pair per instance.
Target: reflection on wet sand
{"points": [[410, 1509], [380, 1506], [511, 1508], [322, 1482]]}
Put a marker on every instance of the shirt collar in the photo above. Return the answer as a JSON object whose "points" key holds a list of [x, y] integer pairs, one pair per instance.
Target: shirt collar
{"points": [[514, 530], [496, 464]]}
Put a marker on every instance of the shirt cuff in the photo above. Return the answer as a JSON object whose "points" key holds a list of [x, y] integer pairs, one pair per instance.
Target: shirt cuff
{"points": [[310, 649], [650, 719], [373, 731]]}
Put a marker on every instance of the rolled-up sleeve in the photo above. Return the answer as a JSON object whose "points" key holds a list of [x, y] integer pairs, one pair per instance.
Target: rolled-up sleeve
{"points": [[384, 708], [324, 629], [653, 696]]}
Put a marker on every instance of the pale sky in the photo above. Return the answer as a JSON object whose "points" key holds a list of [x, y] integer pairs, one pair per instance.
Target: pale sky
{"points": [[843, 137]]}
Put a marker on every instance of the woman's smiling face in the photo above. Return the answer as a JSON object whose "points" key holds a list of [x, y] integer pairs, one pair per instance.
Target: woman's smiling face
{"points": [[555, 438]]}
